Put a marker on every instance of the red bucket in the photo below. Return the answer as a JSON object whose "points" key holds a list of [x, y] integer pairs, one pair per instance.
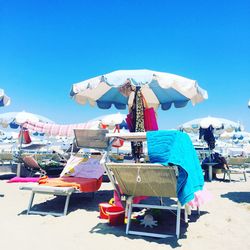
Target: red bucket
{"points": [[103, 210], [116, 215]]}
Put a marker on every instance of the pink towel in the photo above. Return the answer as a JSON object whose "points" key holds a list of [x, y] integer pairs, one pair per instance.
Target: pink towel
{"points": [[23, 179]]}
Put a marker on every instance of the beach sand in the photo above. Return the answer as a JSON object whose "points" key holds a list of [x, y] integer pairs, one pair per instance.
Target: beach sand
{"points": [[224, 222]]}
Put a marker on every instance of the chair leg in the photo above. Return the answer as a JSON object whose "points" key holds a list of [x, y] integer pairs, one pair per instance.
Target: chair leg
{"points": [[66, 204], [224, 176], [30, 201], [198, 210], [129, 215], [178, 220], [245, 177], [229, 175]]}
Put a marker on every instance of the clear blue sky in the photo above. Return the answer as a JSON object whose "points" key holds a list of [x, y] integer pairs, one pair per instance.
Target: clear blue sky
{"points": [[47, 45]]}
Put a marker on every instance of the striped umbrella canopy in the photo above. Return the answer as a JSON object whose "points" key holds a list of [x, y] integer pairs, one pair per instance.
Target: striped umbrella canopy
{"points": [[15, 119], [118, 88], [240, 135], [4, 99], [219, 124]]}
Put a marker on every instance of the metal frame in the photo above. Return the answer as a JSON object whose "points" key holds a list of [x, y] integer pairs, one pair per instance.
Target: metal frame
{"points": [[56, 191], [84, 138], [131, 205]]}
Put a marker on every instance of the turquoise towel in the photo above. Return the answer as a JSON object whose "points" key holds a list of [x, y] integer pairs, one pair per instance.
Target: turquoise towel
{"points": [[175, 147]]}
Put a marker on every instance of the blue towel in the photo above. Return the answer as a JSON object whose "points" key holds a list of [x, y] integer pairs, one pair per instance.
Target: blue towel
{"points": [[175, 147]]}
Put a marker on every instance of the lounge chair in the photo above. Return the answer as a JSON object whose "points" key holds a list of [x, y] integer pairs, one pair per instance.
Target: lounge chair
{"points": [[66, 186], [144, 179], [6, 158], [236, 165]]}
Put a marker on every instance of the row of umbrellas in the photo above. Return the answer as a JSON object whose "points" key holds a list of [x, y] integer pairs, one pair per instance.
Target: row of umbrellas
{"points": [[118, 89]]}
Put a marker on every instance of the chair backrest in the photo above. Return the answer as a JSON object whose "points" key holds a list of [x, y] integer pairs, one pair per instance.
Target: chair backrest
{"points": [[147, 179], [236, 160], [89, 138], [6, 156]]}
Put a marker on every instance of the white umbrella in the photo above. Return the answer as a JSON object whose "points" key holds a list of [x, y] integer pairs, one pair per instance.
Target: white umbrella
{"points": [[118, 88], [14, 119], [4, 99], [219, 124], [248, 104], [112, 119]]}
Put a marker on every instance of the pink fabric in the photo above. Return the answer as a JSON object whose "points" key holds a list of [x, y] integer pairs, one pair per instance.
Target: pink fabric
{"points": [[118, 202], [23, 179], [201, 197], [57, 129]]}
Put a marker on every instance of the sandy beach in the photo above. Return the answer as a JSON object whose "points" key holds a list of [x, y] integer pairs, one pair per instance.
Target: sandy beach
{"points": [[223, 223]]}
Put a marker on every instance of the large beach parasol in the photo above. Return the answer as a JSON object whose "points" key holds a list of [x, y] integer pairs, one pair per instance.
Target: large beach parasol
{"points": [[4, 99], [118, 88], [124, 88]]}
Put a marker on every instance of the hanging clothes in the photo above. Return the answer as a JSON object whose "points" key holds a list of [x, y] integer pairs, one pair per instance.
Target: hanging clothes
{"points": [[138, 121], [208, 136]]}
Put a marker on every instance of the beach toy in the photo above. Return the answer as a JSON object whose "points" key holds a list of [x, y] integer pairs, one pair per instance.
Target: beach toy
{"points": [[103, 209], [116, 215]]}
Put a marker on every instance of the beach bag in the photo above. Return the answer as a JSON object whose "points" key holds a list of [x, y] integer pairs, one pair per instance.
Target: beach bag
{"points": [[129, 121], [24, 136], [117, 143], [150, 121]]}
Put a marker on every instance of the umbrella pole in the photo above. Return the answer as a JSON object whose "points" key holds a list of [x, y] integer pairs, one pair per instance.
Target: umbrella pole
{"points": [[18, 172]]}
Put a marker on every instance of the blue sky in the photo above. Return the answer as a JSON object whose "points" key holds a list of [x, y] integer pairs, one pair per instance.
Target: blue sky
{"points": [[46, 46]]}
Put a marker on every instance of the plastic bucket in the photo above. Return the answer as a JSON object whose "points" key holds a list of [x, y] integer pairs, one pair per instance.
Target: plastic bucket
{"points": [[103, 210], [116, 215]]}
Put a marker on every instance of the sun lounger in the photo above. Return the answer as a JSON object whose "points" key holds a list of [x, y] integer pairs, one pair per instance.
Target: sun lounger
{"points": [[145, 179], [6, 158], [65, 186], [60, 187], [236, 165]]}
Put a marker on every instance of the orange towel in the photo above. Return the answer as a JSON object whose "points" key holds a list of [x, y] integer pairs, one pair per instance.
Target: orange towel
{"points": [[80, 183]]}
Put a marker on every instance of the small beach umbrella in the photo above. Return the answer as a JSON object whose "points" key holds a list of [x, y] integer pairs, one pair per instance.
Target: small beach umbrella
{"points": [[208, 127], [4, 99], [15, 119], [218, 124], [248, 104]]}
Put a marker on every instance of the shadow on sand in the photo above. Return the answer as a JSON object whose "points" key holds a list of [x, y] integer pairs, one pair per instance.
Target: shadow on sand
{"points": [[168, 227], [85, 201], [239, 197]]}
